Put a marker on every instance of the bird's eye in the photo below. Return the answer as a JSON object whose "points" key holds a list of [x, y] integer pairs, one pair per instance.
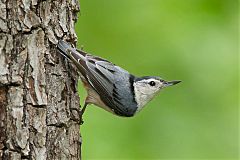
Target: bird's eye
{"points": [[152, 83]]}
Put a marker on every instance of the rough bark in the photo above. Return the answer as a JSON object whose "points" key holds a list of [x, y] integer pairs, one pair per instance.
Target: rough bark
{"points": [[37, 86]]}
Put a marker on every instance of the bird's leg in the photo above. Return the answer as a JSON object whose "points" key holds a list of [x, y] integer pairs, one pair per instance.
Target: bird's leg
{"points": [[80, 114], [82, 111]]}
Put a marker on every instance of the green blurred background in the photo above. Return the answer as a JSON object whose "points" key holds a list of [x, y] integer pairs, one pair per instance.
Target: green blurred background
{"points": [[195, 41]]}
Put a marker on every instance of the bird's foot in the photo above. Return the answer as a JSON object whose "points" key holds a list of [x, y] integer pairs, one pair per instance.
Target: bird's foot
{"points": [[76, 115]]}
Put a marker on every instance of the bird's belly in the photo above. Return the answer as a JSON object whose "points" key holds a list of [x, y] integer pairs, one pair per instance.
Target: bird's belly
{"points": [[94, 98]]}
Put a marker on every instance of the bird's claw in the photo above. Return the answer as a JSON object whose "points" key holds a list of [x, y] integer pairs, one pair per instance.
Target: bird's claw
{"points": [[79, 116]]}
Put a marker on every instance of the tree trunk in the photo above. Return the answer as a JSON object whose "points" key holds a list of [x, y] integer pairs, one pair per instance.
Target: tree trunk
{"points": [[37, 86]]}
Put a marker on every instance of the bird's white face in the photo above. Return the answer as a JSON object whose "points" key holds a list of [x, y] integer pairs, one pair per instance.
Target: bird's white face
{"points": [[146, 88], [149, 86]]}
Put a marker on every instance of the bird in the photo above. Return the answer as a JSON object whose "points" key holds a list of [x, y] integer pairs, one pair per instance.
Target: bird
{"points": [[111, 87]]}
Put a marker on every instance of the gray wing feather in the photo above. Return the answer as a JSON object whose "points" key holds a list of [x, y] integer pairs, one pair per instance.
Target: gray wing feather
{"points": [[108, 80], [103, 81]]}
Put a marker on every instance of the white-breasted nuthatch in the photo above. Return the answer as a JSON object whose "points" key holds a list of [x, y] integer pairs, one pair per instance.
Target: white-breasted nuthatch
{"points": [[111, 87]]}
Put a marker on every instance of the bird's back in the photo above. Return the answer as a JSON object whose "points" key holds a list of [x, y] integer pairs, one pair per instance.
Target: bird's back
{"points": [[113, 84]]}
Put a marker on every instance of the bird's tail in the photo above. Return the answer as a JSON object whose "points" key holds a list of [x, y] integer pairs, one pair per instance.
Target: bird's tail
{"points": [[69, 52], [63, 48]]}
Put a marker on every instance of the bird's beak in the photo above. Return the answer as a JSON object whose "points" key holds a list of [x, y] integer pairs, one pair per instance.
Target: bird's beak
{"points": [[170, 83]]}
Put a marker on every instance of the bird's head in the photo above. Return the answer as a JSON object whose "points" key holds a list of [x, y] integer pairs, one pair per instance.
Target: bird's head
{"points": [[147, 87]]}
